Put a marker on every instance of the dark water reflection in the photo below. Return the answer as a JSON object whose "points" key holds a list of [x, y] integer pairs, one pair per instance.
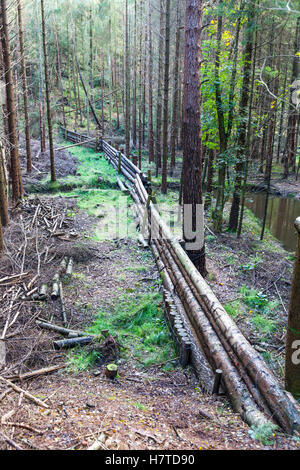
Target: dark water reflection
{"points": [[281, 215]]}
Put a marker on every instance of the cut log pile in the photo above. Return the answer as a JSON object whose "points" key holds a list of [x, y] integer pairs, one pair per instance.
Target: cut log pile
{"points": [[33, 275], [252, 388], [29, 259]]}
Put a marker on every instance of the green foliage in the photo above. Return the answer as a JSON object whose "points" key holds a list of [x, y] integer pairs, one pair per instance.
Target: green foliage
{"points": [[265, 433], [233, 308], [257, 300], [257, 260], [79, 359], [139, 323]]}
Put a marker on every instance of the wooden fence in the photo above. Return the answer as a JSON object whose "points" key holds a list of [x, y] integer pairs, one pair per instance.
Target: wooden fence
{"points": [[208, 336]]}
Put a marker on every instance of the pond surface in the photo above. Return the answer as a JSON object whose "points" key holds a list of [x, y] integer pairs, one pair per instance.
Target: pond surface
{"points": [[281, 215]]}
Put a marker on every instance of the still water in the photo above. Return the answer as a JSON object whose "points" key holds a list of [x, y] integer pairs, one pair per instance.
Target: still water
{"points": [[282, 213]]}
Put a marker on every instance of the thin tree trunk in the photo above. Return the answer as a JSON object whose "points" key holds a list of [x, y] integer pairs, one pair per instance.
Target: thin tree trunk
{"points": [[291, 149], [243, 197], [242, 129], [47, 88], [25, 94], [4, 217], [220, 199], [159, 89], [175, 92], [292, 376], [166, 100], [59, 76], [150, 96], [127, 85], [134, 135], [16, 177]]}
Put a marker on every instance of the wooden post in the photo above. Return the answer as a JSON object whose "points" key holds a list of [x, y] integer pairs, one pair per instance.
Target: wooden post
{"points": [[292, 357]]}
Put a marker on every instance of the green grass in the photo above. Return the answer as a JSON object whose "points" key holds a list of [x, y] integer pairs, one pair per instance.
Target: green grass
{"points": [[264, 433], [79, 359], [233, 308], [263, 311], [138, 321]]}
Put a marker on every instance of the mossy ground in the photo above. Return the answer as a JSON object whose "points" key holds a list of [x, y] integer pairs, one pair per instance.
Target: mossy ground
{"points": [[134, 312]]}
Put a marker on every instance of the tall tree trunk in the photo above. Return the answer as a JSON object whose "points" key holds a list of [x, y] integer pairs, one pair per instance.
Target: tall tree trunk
{"points": [[140, 85], [193, 218], [150, 96], [25, 94], [59, 76], [249, 131], [127, 85], [47, 89], [159, 89], [166, 101], [242, 127], [175, 92], [134, 135], [102, 91], [16, 177], [291, 149], [220, 199], [41, 82], [4, 217], [292, 356]]}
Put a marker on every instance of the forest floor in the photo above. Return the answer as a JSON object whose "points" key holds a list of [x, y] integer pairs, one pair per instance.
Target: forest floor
{"points": [[153, 403]]}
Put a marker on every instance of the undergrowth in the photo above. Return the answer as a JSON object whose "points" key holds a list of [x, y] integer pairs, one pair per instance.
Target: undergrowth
{"points": [[138, 321]]}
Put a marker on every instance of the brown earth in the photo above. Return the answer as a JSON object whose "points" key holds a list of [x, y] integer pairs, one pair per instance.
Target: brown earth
{"points": [[145, 407]]}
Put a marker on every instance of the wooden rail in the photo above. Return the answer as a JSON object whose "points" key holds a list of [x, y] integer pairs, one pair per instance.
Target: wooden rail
{"points": [[200, 321]]}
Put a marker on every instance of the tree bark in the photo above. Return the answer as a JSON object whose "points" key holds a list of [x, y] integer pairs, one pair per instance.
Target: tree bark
{"points": [[242, 128], [25, 93], [292, 356], [220, 199], [174, 126], [192, 148], [150, 96], [16, 177], [159, 90], [127, 85], [4, 217], [166, 100], [47, 89]]}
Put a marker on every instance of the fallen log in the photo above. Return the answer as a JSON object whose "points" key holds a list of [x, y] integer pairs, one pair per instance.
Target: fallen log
{"points": [[10, 441], [60, 329], [62, 303], [69, 270], [278, 402], [142, 241], [36, 373], [72, 342], [43, 292], [122, 187], [26, 394], [237, 391], [55, 287]]}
